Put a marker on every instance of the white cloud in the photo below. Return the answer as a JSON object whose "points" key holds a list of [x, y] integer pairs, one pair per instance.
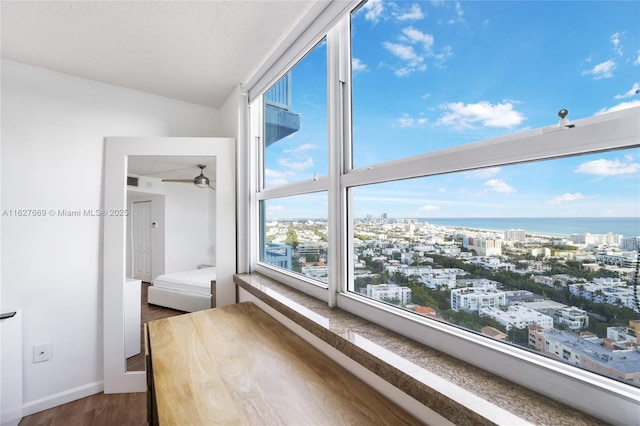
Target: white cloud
{"points": [[373, 10], [275, 178], [499, 185], [486, 114], [413, 14], [604, 167], [637, 61], [631, 92], [275, 209], [484, 173], [296, 166], [601, 70], [408, 121], [402, 51], [357, 65], [417, 36], [414, 62], [459, 12], [302, 148], [619, 107], [429, 208], [566, 198], [615, 40], [270, 173]]}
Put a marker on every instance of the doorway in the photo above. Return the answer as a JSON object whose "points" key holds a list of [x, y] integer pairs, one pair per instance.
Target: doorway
{"points": [[141, 239]]}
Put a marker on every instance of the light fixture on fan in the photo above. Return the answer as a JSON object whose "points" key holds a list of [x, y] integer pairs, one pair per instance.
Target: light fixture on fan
{"points": [[201, 181]]}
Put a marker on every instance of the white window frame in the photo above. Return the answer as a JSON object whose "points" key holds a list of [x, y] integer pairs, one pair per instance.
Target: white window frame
{"points": [[591, 393]]}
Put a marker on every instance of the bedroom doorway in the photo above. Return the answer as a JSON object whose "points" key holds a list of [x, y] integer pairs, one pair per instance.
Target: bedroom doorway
{"points": [[141, 239]]}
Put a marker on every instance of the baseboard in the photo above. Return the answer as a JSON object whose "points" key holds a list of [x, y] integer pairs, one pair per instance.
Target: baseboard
{"points": [[14, 415], [62, 398]]}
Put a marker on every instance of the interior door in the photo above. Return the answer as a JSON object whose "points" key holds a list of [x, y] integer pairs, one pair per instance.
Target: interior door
{"points": [[141, 240]]}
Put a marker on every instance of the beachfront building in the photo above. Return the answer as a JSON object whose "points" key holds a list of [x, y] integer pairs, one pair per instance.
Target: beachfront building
{"points": [[517, 316], [515, 235], [483, 246], [596, 240], [483, 294], [387, 292], [630, 244]]}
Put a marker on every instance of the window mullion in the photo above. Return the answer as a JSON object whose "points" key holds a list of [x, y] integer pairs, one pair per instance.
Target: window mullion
{"points": [[336, 262]]}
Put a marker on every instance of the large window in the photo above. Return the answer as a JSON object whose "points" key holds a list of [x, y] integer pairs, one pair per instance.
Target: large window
{"points": [[532, 252], [516, 237], [478, 179], [295, 234], [432, 75], [295, 123], [292, 214]]}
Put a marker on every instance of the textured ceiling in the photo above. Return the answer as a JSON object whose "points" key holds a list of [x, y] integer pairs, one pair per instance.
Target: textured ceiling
{"points": [[163, 167], [195, 51]]}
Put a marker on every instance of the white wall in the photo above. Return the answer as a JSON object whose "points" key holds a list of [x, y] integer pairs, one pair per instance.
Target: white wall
{"points": [[186, 218], [187, 242], [53, 127]]}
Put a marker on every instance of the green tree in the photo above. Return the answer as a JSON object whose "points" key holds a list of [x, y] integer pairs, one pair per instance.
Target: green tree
{"points": [[292, 238]]}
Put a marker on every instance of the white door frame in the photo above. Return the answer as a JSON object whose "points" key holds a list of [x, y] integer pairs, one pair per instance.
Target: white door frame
{"points": [[117, 151]]}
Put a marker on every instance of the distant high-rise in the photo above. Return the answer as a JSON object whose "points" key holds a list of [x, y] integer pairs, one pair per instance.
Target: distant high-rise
{"points": [[514, 235]]}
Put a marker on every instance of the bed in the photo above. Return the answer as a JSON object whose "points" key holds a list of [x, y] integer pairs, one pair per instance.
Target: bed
{"points": [[187, 291]]}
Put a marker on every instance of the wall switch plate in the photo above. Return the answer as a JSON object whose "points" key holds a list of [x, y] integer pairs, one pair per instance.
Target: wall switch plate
{"points": [[41, 352]]}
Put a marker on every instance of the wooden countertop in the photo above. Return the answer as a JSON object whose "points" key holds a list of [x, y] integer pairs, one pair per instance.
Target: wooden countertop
{"points": [[237, 365]]}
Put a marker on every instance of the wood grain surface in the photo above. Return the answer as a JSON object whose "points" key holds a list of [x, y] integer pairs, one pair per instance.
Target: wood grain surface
{"points": [[237, 365]]}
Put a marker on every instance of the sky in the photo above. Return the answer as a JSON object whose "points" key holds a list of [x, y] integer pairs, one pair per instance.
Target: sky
{"points": [[430, 75]]}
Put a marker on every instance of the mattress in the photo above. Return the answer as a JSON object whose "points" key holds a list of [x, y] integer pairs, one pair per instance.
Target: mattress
{"points": [[196, 281]]}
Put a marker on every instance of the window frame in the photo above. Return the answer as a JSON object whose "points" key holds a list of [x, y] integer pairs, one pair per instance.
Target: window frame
{"points": [[605, 398]]}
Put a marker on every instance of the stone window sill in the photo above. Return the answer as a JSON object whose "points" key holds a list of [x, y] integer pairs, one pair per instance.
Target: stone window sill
{"points": [[456, 390]]}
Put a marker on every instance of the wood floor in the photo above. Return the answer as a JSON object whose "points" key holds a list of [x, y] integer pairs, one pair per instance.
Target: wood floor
{"points": [[125, 409], [148, 313]]}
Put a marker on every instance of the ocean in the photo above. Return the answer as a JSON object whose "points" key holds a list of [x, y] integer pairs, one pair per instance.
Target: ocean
{"points": [[551, 226]]}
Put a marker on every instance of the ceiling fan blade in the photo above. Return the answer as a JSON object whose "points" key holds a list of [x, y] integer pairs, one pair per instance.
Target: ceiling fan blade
{"points": [[178, 180], [211, 186]]}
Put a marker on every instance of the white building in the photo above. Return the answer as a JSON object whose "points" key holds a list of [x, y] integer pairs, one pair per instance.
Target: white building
{"points": [[517, 235], [573, 318], [630, 244], [483, 246], [597, 239], [517, 316], [624, 259], [389, 292], [590, 354], [540, 251], [476, 297]]}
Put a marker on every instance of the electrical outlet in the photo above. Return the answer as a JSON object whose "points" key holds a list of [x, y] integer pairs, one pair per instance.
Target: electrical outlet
{"points": [[41, 352]]}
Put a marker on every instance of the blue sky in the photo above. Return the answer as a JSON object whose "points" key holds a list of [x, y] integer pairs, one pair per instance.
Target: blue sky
{"points": [[431, 75]]}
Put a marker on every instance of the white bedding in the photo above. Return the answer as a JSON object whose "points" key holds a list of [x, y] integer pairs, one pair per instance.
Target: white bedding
{"points": [[196, 281]]}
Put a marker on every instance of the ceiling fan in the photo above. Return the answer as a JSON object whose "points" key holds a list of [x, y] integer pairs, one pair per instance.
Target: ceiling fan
{"points": [[201, 181]]}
